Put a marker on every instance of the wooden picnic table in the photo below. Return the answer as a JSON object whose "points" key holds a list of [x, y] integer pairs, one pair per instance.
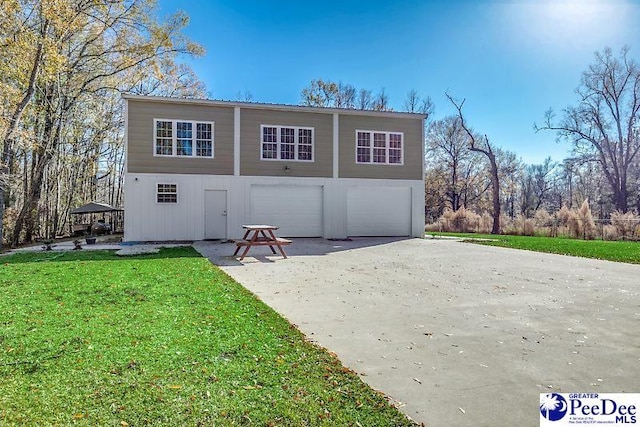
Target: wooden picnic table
{"points": [[262, 236]]}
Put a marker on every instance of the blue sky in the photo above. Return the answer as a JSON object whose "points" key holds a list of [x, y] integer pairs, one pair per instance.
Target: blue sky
{"points": [[510, 59]]}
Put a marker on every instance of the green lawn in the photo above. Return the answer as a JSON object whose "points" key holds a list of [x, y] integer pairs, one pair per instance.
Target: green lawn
{"points": [[89, 338], [608, 250]]}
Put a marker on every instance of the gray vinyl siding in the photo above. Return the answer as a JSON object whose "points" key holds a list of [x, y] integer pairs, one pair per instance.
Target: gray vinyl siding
{"points": [[413, 134], [140, 158], [250, 141]]}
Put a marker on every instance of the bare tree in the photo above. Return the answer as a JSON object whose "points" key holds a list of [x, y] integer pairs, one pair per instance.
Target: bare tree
{"points": [[537, 182], [327, 93], [447, 151], [413, 103], [364, 99], [604, 126], [482, 145], [345, 96], [381, 101], [244, 96]]}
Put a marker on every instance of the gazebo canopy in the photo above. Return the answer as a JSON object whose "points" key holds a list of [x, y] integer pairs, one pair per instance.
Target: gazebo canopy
{"points": [[94, 207]]}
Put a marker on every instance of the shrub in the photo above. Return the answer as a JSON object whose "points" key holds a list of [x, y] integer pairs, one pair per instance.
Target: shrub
{"points": [[461, 221], [625, 223], [545, 223], [523, 226], [507, 224], [464, 220], [436, 226], [586, 221], [563, 216], [486, 223], [609, 232], [543, 218]]}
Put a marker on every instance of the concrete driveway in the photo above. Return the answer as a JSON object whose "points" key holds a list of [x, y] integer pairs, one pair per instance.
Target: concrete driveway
{"points": [[458, 334]]}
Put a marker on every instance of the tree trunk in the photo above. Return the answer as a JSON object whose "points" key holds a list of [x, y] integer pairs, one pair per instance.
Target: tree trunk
{"points": [[621, 195], [3, 194], [43, 155], [7, 149], [495, 193]]}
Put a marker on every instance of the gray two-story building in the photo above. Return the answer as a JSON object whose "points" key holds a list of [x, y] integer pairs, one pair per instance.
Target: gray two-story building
{"points": [[200, 169]]}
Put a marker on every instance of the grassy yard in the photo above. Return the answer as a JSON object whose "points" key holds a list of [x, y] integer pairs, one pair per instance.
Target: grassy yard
{"points": [[608, 250], [88, 338]]}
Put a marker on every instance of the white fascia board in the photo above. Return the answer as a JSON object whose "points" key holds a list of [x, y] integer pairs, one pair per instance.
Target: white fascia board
{"points": [[277, 107], [336, 144], [236, 141]]}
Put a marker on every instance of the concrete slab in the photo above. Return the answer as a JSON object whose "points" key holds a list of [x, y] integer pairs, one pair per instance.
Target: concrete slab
{"points": [[122, 249], [460, 334]]}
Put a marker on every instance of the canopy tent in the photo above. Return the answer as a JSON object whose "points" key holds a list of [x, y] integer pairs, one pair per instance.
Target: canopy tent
{"points": [[94, 207], [86, 218]]}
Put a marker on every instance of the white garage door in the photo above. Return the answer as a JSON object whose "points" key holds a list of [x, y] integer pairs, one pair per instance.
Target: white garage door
{"points": [[379, 211], [295, 209]]}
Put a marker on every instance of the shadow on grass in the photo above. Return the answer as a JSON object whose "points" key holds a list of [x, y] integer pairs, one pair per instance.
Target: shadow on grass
{"points": [[101, 255]]}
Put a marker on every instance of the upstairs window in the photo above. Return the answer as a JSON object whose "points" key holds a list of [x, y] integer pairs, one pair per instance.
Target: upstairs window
{"points": [[182, 138], [286, 143], [379, 147], [167, 193]]}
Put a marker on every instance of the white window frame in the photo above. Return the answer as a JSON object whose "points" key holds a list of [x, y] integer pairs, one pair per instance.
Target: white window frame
{"points": [[386, 147], [158, 184], [174, 138], [296, 143]]}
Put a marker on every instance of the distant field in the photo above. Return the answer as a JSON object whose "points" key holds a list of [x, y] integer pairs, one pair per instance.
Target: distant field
{"points": [[628, 252]]}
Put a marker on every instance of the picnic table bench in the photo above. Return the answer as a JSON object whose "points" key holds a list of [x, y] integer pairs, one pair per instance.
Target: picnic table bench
{"points": [[262, 236]]}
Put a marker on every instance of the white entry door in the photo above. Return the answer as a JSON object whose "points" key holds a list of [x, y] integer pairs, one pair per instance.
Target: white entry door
{"points": [[215, 214]]}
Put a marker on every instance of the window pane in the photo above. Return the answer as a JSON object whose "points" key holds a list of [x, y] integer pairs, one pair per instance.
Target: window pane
{"points": [[164, 129], [167, 188], [379, 155], [204, 140], [395, 156], [167, 193], [184, 147], [164, 147], [183, 130], [203, 131], [204, 148], [269, 134], [395, 148], [287, 151], [167, 198], [364, 139], [304, 152], [164, 141], [364, 155], [395, 140], [288, 136], [379, 140], [287, 146], [304, 136], [305, 147], [269, 151]]}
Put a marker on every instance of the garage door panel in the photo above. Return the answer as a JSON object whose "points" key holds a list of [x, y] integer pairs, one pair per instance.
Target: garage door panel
{"points": [[295, 209], [379, 211]]}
